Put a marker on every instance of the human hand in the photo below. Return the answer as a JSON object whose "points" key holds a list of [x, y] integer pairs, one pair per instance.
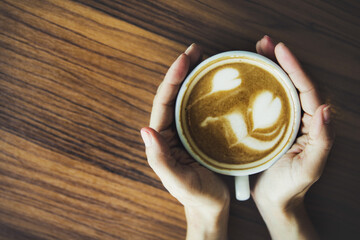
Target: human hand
{"points": [[279, 191], [204, 195]]}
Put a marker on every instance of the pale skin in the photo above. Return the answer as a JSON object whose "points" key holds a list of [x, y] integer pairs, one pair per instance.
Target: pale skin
{"points": [[278, 192]]}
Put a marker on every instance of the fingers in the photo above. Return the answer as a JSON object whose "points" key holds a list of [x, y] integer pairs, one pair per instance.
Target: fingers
{"points": [[309, 98], [195, 53], [162, 114], [320, 140], [163, 104], [159, 157], [266, 47]]}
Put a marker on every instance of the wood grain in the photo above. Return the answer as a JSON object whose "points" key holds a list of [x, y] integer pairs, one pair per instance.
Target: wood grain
{"points": [[77, 79]]}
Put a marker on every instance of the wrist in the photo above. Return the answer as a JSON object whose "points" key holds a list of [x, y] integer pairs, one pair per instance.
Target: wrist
{"points": [[207, 223], [278, 206], [288, 220]]}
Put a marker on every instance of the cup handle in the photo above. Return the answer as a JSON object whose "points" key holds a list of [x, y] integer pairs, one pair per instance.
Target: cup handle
{"points": [[242, 188]]}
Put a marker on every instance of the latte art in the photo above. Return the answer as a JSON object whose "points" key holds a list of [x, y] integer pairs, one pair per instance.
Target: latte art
{"points": [[237, 113], [265, 112]]}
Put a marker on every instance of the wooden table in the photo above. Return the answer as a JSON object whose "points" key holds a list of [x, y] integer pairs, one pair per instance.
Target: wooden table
{"points": [[77, 79]]}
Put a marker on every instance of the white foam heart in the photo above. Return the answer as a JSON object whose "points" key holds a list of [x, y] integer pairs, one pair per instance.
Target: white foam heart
{"points": [[265, 110], [225, 79], [238, 127]]}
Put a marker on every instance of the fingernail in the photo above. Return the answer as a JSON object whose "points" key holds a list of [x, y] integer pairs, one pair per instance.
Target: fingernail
{"points": [[187, 51], [282, 44], [258, 48], [268, 38], [181, 55], [326, 114], [146, 137]]}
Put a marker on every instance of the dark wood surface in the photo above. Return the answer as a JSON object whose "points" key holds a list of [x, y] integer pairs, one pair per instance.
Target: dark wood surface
{"points": [[77, 79]]}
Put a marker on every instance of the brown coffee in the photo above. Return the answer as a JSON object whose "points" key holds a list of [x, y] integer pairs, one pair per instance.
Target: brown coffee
{"points": [[236, 113]]}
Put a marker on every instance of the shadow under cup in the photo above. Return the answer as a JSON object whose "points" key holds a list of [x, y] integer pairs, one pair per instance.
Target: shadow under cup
{"points": [[241, 171]]}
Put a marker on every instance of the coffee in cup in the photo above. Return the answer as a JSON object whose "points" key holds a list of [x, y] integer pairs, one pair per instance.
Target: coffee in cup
{"points": [[237, 113]]}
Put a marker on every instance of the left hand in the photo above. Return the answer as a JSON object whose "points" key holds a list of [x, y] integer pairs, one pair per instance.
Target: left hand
{"points": [[203, 194]]}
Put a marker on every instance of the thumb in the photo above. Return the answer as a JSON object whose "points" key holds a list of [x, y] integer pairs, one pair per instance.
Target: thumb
{"points": [[319, 142], [159, 156]]}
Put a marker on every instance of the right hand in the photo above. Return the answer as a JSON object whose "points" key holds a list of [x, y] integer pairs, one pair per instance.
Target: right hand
{"points": [[292, 175], [279, 191]]}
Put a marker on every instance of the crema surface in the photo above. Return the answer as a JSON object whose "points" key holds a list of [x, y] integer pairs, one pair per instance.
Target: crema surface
{"points": [[237, 113]]}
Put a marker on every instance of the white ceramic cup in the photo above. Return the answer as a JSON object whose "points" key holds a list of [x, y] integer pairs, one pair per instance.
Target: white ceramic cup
{"points": [[241, 171]]}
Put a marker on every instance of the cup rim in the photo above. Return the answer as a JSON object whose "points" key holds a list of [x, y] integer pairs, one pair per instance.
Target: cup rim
{"points": [[292, 92]]}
